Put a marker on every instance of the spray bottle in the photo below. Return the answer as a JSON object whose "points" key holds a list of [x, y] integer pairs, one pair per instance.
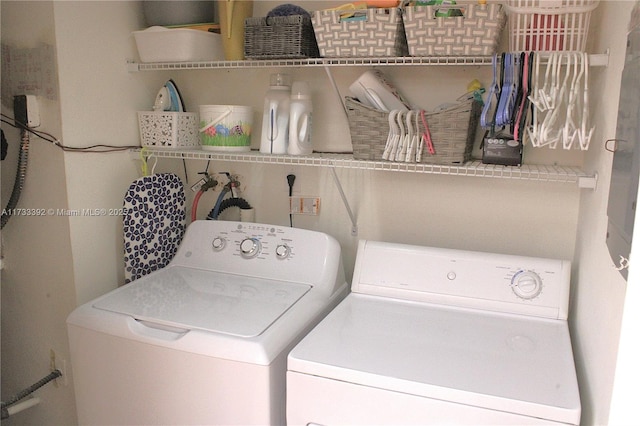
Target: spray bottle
{"points": [[275, 117], [300, 120]]}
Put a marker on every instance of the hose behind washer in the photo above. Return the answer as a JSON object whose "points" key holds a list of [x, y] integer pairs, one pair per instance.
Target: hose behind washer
{"points": [[229, 202]]}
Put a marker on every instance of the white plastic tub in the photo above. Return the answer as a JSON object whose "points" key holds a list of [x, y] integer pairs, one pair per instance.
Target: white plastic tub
{"points": [[160, 44]]}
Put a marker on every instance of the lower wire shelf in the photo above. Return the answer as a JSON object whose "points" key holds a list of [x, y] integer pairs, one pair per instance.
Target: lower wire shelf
{"points": [[529, 172]]}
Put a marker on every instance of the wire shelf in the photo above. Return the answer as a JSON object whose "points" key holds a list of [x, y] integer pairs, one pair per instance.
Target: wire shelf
{"points": [[594, 60], [528, 172], [314, 62]]}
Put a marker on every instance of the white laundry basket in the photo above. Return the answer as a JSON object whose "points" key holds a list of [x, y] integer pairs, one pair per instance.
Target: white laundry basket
{"points": [[549, 25]]}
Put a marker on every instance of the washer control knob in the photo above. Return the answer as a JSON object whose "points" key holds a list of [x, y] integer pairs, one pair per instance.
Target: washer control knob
{"points": [[283, 251], [218, 243], [526, 284], [250, 247]]}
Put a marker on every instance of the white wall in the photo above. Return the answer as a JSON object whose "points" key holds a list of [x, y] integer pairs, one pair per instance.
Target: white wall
{"points": [[37, 280], [98, 100], [46, 257], [598, 289], [99, 97]]}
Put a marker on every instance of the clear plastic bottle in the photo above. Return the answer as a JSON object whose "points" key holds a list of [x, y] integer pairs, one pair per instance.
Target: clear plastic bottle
{"points": [[275, 117], [300, 119]]}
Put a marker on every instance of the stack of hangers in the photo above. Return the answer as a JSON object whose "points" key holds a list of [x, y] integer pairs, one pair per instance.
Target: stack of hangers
{"points": [[544, 107], [406, 140]]}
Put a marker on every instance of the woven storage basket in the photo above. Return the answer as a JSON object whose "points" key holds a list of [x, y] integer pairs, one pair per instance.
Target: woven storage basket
{"points": [[549, 25], [476, 33], [283, 37], [164, 129], [452, 132], [380, 34]]}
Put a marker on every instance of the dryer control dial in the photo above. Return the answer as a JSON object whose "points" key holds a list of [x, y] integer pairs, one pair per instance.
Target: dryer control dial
{"points": [[526, 284], [250, 247]]}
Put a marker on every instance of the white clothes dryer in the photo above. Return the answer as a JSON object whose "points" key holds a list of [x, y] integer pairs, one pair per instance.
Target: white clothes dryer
{"points": [[204, 340], [437, 336]]}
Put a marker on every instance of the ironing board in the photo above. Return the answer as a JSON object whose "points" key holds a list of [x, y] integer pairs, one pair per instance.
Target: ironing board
{"points": [[154, 223]]}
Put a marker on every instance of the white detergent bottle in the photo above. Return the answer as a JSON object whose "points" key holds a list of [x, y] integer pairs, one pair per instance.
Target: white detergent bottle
{"points": [[275, 117], [300, 119]]}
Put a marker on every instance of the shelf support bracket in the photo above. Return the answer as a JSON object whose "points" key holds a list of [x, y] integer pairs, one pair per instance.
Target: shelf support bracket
{"points": [[588, 182], [132, 66], [354, 222], [335, 89]]}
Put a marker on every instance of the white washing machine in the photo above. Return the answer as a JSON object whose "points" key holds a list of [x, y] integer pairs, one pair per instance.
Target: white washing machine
{"points": [[433, 336], [204, 340]]}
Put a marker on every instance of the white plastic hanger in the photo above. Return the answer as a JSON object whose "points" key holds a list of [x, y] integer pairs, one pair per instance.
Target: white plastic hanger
{"points": [[569, 131], [549, 134], [584, 135], [410, 142], [393, 134], [399, 141]]}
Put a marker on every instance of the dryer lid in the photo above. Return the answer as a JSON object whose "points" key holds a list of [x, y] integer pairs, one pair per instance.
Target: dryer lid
{"points": [[513, 363], [191, 299]]}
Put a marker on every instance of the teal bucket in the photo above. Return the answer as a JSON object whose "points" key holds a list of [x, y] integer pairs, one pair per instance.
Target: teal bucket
{"points": [[226, 127]]}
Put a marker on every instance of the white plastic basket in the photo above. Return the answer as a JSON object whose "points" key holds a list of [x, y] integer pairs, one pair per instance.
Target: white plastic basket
{"points": [[164, 129], [549, 25]]}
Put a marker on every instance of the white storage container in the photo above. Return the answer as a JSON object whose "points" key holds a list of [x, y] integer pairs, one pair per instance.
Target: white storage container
{"points": [[166, 129], [160, 44]]}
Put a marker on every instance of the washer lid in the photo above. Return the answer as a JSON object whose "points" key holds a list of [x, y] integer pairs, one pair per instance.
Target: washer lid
{"points": [[195, 299], [510, 363]]}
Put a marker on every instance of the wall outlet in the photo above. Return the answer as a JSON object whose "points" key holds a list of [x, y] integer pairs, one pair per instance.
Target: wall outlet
{"points": [[304, 205], [26, 111], [58, 364]]}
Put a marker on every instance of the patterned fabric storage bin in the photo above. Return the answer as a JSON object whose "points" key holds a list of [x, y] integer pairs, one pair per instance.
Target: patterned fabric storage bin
{"points": [[549, 25], [280, 37], [378, 32], [165, 129], [452, 131], [475, 32]]}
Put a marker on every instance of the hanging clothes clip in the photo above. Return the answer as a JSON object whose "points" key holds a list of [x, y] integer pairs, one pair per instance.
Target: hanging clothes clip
{"points": [[145, 156]]}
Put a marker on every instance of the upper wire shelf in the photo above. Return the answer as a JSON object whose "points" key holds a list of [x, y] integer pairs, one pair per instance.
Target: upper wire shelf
{"points": [[312, 62], [594, 60]]}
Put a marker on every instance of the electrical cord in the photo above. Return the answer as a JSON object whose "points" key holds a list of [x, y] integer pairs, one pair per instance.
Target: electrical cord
{"points": [[98, 148], [291, 178], [28, 391]]}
